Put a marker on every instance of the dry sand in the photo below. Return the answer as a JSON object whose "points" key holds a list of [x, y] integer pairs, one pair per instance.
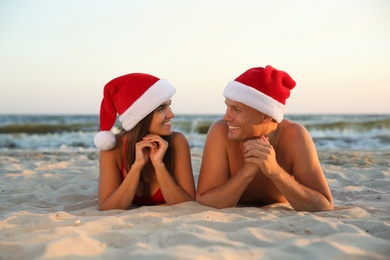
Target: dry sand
{"points": [[48, 210]]}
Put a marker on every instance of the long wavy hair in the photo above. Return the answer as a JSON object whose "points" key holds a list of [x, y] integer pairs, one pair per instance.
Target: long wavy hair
{"points": [[136, 134]]}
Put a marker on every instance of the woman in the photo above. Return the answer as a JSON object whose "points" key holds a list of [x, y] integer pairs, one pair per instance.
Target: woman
{"points": [[147, 163]]}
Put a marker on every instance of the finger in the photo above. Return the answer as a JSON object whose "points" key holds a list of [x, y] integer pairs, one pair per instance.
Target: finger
{"points": [[143, 145], [151, 137], [248, 145], [251, 160], [265, 139], [253, 145], [158, 142], [251, 153]]}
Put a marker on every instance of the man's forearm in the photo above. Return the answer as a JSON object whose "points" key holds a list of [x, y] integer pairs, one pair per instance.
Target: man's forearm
{"points": [[229, 193], [301, 198]]}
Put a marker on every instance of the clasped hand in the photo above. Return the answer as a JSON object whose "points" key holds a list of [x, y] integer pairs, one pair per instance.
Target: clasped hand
{"points": [[151, 146], [261, 153]]}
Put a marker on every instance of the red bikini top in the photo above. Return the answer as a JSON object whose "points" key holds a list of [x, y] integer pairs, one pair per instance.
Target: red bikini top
{"points": [[157, 197]]}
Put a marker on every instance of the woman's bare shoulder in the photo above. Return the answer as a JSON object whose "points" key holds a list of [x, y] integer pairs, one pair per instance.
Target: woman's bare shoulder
{"points": [[178, 138], [115, 154]]}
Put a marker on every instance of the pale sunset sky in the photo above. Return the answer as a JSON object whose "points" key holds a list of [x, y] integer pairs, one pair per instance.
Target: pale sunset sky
{"points": [[56, 56]]}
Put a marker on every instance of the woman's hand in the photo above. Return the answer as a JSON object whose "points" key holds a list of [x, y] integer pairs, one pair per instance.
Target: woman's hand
{"points": [[142, 150], [158, 147]]}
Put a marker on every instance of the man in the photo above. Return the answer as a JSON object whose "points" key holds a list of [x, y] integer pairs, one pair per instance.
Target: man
{"points": [[254, 156]]}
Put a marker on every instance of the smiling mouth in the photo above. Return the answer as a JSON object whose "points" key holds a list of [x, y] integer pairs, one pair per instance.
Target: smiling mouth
{"points": [[233, 127], [167, 123]]}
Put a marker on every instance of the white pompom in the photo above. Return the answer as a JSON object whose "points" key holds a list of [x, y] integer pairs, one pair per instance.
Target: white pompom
{"points": [[104, 140]]}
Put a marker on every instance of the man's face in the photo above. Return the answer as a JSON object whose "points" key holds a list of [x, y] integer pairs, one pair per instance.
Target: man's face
{"points": [[244, 122]]}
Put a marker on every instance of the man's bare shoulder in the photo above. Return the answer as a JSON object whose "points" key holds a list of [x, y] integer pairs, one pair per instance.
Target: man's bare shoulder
{"points": [[217, 136], [293, 136], [292, 128], [220, 127]]}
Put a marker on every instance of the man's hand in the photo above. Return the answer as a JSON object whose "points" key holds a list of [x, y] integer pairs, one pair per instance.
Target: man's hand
{"points": [[260, 152]]}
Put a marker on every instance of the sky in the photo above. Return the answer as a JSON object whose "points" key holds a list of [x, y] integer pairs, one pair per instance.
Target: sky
{"points": [[56, 56]]}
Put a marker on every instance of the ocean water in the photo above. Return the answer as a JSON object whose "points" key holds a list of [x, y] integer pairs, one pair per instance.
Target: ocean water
{"points": [[76, 132]]}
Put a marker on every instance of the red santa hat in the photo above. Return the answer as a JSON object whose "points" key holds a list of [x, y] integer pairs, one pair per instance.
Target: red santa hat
{"points": [[264, 89], [132, 97]]}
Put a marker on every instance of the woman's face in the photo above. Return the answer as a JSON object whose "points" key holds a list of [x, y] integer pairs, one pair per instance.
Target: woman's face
{"points": [[161, 121]]}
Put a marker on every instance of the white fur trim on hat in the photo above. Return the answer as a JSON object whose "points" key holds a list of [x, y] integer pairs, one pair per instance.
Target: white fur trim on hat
{"points": [[104, 140], [249, 96], [157, 94]]}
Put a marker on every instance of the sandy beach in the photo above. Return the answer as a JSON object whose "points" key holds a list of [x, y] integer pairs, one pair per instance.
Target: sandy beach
{"points": [[48, 210]]}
